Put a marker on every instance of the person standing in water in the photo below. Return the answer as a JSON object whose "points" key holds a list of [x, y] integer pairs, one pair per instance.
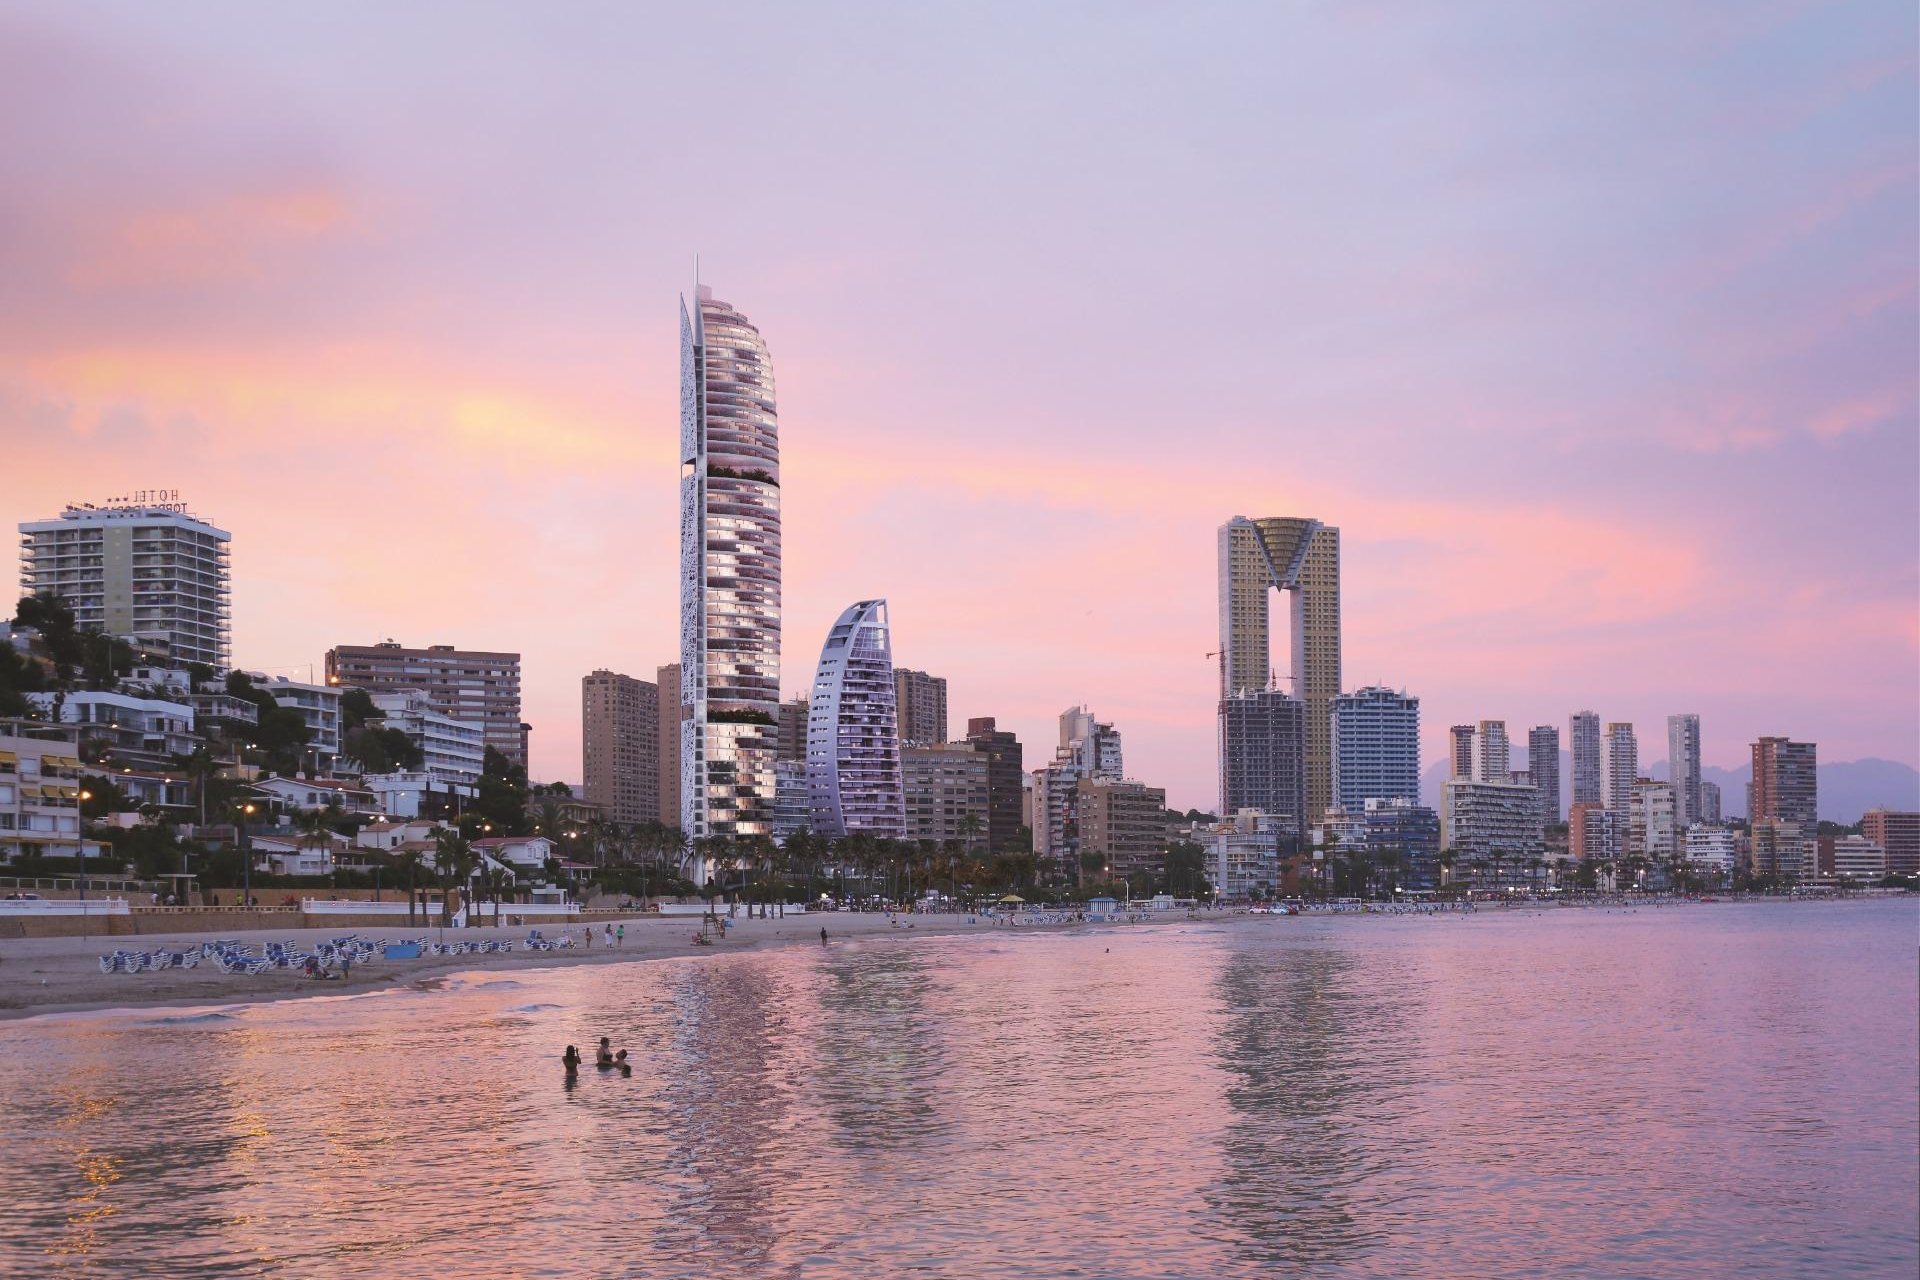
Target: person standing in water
{"points": [[823, 935], [571, 1061]]}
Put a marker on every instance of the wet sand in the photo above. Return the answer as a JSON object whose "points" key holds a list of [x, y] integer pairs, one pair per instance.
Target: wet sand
{"points": [[61, 975]]}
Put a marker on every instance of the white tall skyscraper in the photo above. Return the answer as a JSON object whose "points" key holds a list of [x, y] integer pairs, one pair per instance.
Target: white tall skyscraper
{"points": [[1683, 767], [729, 575], [142, 569], [1623, 767]]}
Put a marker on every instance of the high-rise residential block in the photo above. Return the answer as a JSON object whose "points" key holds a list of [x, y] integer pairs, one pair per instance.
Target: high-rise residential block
{"points": [[140, 568], [1089, 748], [1785, 783], [479, 685], [1653, 827], [1709, 801], [791, 798], [1263, 758], [1623, 767], [1543, 762], [922, 703], [947, 793], [667, 681], [1460, 751], [792, 738], [1683, 767], [1898, 833], [729, 575], [1491, 753], [620, 745], [1376, 747], [1300, 557], [853, 742], [1006, 781], [1124, 824], [1583, 738], [1594, 832]]}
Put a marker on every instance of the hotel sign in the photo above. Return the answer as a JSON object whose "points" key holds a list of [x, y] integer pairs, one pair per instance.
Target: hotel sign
{"points": [[164, 499]]}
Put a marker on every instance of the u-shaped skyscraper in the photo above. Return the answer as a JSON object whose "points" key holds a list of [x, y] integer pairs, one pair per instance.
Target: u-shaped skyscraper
{"points": [[853, 735]]}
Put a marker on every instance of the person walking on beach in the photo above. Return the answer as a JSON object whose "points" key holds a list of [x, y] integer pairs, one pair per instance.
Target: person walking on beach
{"points": [[823, 935], [589, 932], [620, 937]]}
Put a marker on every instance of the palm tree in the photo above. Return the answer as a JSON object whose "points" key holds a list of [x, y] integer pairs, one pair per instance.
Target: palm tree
{"points": [[408, 860], [455, 861], [970, 828]]}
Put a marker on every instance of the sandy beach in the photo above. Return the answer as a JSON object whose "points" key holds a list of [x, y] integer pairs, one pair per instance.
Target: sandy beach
{"points": [[57, 975]]}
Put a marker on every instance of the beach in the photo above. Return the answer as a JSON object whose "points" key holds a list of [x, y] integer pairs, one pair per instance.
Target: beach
{"points": [[57, 975]]}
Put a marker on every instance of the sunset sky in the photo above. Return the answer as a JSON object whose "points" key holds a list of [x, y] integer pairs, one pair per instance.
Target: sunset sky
{"points": [[1593, 328]]}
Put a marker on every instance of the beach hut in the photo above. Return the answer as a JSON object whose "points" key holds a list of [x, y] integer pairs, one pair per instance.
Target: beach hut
{"points": [[1013, 900]]}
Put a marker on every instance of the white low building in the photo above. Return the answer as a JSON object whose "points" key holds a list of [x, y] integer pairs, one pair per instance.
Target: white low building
{"points": [[387, 836], [452, 750], [404, 794], [1710, 846], [299, 854], [318, 705], [147, 729], [525, 853], [1244, 854], [316, 793], [1860, 859]]}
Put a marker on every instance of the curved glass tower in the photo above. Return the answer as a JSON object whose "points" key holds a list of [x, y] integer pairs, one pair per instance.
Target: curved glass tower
{"points": [[729, 574], [853, 739]]}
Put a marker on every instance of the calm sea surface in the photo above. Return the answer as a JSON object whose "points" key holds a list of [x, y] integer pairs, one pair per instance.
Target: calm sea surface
{"points": [[1707, 1091]]}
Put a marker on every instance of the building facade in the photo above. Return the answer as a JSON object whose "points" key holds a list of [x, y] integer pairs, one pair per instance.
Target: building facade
{"points": [[1543, 762], [1653, 820], [1583, 744], [1409, 830], [791, 741], [853, 744], [1623, 767], [672, 711], [1264, 739], [1683, 767], [1124, 824], [478, 685], [921, 700], [317, 704], [1460, 751], [790, 799], [947, 795], [1479, 819], [1785, 783], [729, 575], [1492, 756], [140, 731], [1301, 558], [1006, 781], [1710, 847], [1244, 855], [1594, 832], [1898, 833], [452, 750], [1375, 736], [620, 745], [39, 791], [145, 571], [1709, 801]]}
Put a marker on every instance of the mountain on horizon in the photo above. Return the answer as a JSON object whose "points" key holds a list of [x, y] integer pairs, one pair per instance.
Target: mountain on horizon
{"points": [[1848, 788]]}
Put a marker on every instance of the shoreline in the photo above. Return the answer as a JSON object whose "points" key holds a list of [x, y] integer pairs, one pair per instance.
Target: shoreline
{"points": [[48, 977], [44, 977]]}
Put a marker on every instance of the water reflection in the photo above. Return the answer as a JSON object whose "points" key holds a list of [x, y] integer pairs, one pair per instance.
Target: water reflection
{"points": [[1490, 1097], [1311, 1050], [879, 1060]]}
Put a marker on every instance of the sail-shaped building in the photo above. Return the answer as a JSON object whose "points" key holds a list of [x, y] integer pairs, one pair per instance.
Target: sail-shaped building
{"points": [[853, 738]]}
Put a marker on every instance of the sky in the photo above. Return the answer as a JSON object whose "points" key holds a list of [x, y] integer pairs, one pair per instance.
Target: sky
{"points": [[1592, 327]]}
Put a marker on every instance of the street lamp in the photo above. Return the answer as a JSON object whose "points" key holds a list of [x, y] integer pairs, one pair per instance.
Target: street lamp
{"points": [[246, 855], [80, 832]]}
